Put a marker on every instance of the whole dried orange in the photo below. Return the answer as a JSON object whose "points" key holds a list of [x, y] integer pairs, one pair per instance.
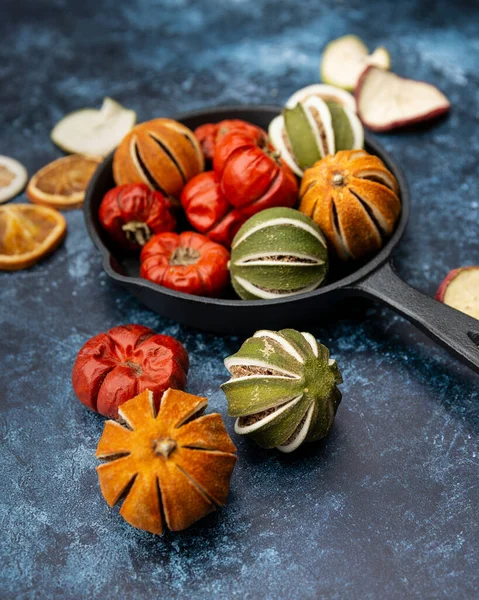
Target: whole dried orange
{"points": [[27, 234], [62, 183], [171, 468]]}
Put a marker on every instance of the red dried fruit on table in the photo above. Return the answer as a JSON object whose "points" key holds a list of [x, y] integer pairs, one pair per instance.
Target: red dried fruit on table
{"points": [[210, 133], [132, 213], [248, 177], [113, 367], [188, 262]]}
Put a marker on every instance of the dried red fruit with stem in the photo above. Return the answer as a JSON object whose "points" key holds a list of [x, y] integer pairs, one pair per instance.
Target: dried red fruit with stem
{"points": [[132, 213], [113, 367], [187, 262]]}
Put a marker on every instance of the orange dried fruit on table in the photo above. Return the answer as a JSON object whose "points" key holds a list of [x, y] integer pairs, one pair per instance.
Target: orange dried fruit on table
{"points": [[171, 468], [27, 234], [62, 183], [354, 200], [162, 153]]}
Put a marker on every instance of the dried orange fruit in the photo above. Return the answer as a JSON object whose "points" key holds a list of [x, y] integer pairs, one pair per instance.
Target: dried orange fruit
{"points": [[62, 183], [27, 234], [172, 468]]}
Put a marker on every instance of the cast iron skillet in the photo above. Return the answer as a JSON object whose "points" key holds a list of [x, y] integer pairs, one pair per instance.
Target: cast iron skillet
{"points": [[377, 279]]}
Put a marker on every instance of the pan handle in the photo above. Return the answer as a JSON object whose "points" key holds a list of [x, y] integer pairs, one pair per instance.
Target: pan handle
{"points": [[458, 332]]}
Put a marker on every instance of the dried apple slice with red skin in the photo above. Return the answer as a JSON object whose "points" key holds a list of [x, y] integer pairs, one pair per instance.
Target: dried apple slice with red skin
{"points": [[460, 289], [383, 93]]}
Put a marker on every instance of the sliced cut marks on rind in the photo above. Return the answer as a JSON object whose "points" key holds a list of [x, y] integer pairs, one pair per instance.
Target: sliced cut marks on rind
{"points": [[271, 258], [379, 176], [287, 346], [168, 153], [311, 341], [279, 139], [384, 204], [264, 294], [299, 435], [279, 221], [347, 128], [302, 136], [387, 101], [377, 219], [251, 367], [340, 243], [321, 122], [255, 421], [142, 504]]}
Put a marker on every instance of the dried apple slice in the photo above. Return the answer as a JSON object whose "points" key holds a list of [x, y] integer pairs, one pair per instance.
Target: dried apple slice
{"points": [[345, 59], [328, 93], [94, 132], [460, 289], [386, 101], [13, 177]]}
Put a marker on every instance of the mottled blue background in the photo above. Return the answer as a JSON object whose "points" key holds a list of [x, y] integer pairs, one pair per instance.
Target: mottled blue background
{"points": [[387, 506]]}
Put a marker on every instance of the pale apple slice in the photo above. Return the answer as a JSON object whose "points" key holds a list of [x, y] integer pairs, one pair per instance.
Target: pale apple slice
{"points": [[328, 93], [460, 289], [94, 132], [386, 101], [13, 177], [345, 59]]}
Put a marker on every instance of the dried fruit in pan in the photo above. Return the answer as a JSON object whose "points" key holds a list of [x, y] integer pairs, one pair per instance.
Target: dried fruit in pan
{"points": [[386, 101], [312, 129], [132, 213], [353, 198], [283, 389], [172, 467], [209, 133], [460, 289], [113, 367], [27, 234], [62, 183], [94, 132], [13, 177], [345, 59], [187, 262], [162, 153], [251, 174], [248, 177], [278, 252]]}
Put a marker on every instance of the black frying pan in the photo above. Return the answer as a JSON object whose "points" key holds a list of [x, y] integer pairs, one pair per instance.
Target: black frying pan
{"points": [[377, 279]]}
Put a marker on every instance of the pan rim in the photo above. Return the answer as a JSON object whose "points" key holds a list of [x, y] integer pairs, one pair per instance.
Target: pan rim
{"points": [[342, 284]]}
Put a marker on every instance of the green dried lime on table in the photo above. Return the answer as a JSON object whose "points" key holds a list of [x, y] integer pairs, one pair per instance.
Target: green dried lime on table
{"points": [[283, 389], [278, 252]]}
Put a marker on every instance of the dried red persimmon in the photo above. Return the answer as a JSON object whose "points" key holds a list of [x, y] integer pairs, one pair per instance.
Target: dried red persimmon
{"points": [[187, 262], [113, 367], [132, 213]]}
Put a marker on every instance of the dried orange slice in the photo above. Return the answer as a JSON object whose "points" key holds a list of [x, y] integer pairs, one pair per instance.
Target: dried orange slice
{"points": [[27, 234], [62, 183]]}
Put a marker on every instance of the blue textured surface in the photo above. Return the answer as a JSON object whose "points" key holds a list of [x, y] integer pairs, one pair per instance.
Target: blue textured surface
{"points": [[386, 507]]}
